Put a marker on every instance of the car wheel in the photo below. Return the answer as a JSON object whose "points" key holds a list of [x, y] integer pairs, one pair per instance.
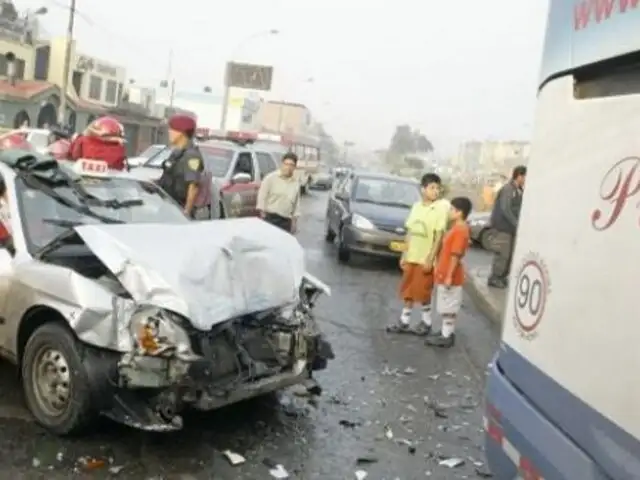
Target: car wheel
{"points": [[343, 251], [55, 382], [484, 239]]}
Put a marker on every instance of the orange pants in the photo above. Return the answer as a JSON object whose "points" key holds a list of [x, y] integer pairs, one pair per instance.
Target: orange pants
{"points": [[416, 285]]}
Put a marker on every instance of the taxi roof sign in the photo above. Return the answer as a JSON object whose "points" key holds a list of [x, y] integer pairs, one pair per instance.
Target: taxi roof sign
{"points": [[91, 168]]}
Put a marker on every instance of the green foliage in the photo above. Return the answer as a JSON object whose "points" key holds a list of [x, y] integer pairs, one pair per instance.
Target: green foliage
{"points": [[407, 140]]}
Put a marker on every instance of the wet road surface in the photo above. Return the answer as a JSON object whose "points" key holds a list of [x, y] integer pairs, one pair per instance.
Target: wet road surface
{"points": [[391, 406]]}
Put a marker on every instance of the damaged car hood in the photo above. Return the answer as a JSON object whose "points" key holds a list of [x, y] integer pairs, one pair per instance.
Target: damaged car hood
{"points": [[207, 271]]}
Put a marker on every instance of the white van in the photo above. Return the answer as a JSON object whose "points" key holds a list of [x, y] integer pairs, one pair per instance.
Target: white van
{"points": [[563, 394]]}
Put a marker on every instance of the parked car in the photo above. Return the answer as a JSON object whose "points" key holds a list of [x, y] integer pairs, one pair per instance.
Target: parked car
{"points": [[323, 180], [236, 170], [149, 153], [366, 214], [479, 224], [114, 303]]}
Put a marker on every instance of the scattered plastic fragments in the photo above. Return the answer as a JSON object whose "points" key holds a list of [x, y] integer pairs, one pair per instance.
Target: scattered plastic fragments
{"points": [[361, 474], [36, 462], [279, 472], [116, 469], [451, 462], [234, 458], [348, 424], [409, 371], [388, 432]]}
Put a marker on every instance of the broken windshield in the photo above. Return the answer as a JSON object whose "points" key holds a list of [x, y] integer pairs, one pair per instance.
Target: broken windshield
{"points": [[49, 209]]}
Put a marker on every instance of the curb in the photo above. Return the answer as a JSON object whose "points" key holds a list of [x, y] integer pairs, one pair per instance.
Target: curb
{"points": [[475, 290]]}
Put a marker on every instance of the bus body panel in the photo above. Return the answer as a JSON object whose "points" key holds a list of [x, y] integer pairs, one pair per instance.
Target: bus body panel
{"points": [[583, 32], [568, 383]]}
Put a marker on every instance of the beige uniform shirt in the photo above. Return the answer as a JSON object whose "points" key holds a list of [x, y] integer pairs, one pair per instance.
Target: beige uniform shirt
{"points": [[279, 195]]}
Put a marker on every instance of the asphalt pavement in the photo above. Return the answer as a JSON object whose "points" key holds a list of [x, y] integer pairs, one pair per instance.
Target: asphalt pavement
{"points": [[391, 407]]}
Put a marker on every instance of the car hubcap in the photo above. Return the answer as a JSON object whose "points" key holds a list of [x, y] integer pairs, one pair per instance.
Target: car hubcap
{"points": [[51, 381]]}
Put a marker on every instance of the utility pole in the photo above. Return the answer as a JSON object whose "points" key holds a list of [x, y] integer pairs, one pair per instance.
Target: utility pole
{"points": [[225, 97], [62, 113]]}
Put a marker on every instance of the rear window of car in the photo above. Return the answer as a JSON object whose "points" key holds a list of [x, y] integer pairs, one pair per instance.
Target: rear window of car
{"points": [[217, 160]]}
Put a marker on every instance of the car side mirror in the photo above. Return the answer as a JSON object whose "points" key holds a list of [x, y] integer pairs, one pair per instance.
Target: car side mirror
{"points": [[241, 178]]}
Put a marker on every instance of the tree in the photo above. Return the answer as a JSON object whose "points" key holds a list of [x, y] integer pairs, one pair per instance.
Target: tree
{"points": [[405, 140], [402, 141]]}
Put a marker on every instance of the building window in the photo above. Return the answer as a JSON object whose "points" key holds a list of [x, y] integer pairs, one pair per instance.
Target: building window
{"points": [[18, 65], [112, 92], [120, 92], [95, 88]]}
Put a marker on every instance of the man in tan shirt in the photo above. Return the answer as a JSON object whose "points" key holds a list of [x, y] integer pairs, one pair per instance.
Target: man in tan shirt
{"points": [[279, 195]]}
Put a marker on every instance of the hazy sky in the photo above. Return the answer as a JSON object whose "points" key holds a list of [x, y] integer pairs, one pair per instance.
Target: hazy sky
{"points": [[456, 69]]}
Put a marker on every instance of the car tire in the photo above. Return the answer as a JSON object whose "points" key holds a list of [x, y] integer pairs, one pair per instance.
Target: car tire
{"points": [[70, 410], [484, 239], [343, 252]]}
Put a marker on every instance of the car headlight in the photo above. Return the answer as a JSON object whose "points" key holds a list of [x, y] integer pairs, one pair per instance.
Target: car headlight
{"points": [[359, 221], [155, 333]]}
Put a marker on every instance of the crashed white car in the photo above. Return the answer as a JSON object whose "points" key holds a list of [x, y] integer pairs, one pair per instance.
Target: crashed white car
{"points": [[113, 303]]}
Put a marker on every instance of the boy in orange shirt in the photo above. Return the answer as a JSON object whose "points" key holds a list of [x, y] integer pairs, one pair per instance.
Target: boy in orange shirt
{"points": [[449, 272]]}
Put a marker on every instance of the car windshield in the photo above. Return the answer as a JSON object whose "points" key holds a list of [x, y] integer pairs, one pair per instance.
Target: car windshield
{"points": [[156, 160], [49, 210], [217, 160], [383, 191], [38, 139], [152, 151]]}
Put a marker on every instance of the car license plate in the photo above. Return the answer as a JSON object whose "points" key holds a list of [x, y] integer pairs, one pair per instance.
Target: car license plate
{"points": [[397, 246]]}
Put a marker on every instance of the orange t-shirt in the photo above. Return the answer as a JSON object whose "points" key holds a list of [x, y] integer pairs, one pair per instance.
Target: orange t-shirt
{"points": [[455, 243]]}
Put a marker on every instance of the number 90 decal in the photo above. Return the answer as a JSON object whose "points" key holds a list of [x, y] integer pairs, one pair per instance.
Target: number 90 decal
{"points": [[530, 295]]}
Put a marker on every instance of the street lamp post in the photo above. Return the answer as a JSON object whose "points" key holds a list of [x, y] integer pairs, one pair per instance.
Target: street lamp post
{"points": [[67, 63], [227, 87]]}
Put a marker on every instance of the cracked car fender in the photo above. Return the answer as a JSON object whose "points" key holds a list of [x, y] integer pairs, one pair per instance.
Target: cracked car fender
{"points": [[88, 306]]}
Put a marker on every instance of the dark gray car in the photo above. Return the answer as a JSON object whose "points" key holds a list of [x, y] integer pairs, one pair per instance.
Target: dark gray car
{"points": [[366, 213]]}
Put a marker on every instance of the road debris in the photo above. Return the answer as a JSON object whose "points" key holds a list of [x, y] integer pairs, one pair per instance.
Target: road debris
{"points": [[388, 432], [361, 474], [451, 462], [279, 472], [349, 424], [234, 458], [116, 469], [366, 460]]}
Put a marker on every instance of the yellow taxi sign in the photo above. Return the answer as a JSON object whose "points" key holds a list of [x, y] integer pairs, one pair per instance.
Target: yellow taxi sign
{"points": [[91, 168]]}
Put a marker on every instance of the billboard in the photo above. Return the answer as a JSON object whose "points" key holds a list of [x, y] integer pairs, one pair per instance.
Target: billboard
{"points": [[251, 77]]}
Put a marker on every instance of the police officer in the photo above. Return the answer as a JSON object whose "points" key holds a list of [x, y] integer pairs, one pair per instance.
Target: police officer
{"points": [[183, 169]]}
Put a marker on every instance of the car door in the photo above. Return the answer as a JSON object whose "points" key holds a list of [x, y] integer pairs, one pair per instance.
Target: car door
{"points": [[266, 164], [241, 198], [340, 207]]}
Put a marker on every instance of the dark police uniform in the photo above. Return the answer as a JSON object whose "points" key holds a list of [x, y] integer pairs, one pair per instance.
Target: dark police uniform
{"points": [[183, 168]]}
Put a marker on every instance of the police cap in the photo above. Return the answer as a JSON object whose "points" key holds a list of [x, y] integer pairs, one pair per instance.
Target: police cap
{"points": [[183, 124]]}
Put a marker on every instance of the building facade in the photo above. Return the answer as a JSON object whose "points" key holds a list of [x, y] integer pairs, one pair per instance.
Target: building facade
{"points": [[491, 157], [242, 108], [31, 76], [285, 117]]}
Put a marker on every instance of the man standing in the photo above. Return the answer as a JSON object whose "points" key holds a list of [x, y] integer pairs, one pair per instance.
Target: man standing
{"points": [[182, 171], [279, 195], [504, 222]]}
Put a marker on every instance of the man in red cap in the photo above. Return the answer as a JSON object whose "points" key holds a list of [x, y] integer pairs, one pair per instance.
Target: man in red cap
{"points": [[182, 171]]}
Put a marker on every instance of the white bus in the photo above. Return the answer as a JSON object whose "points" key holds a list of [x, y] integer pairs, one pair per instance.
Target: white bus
{"points": [[563, 396]]}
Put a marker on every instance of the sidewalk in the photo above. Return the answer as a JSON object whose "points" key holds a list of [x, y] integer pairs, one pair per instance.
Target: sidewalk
{"points": [[490, 301]]}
